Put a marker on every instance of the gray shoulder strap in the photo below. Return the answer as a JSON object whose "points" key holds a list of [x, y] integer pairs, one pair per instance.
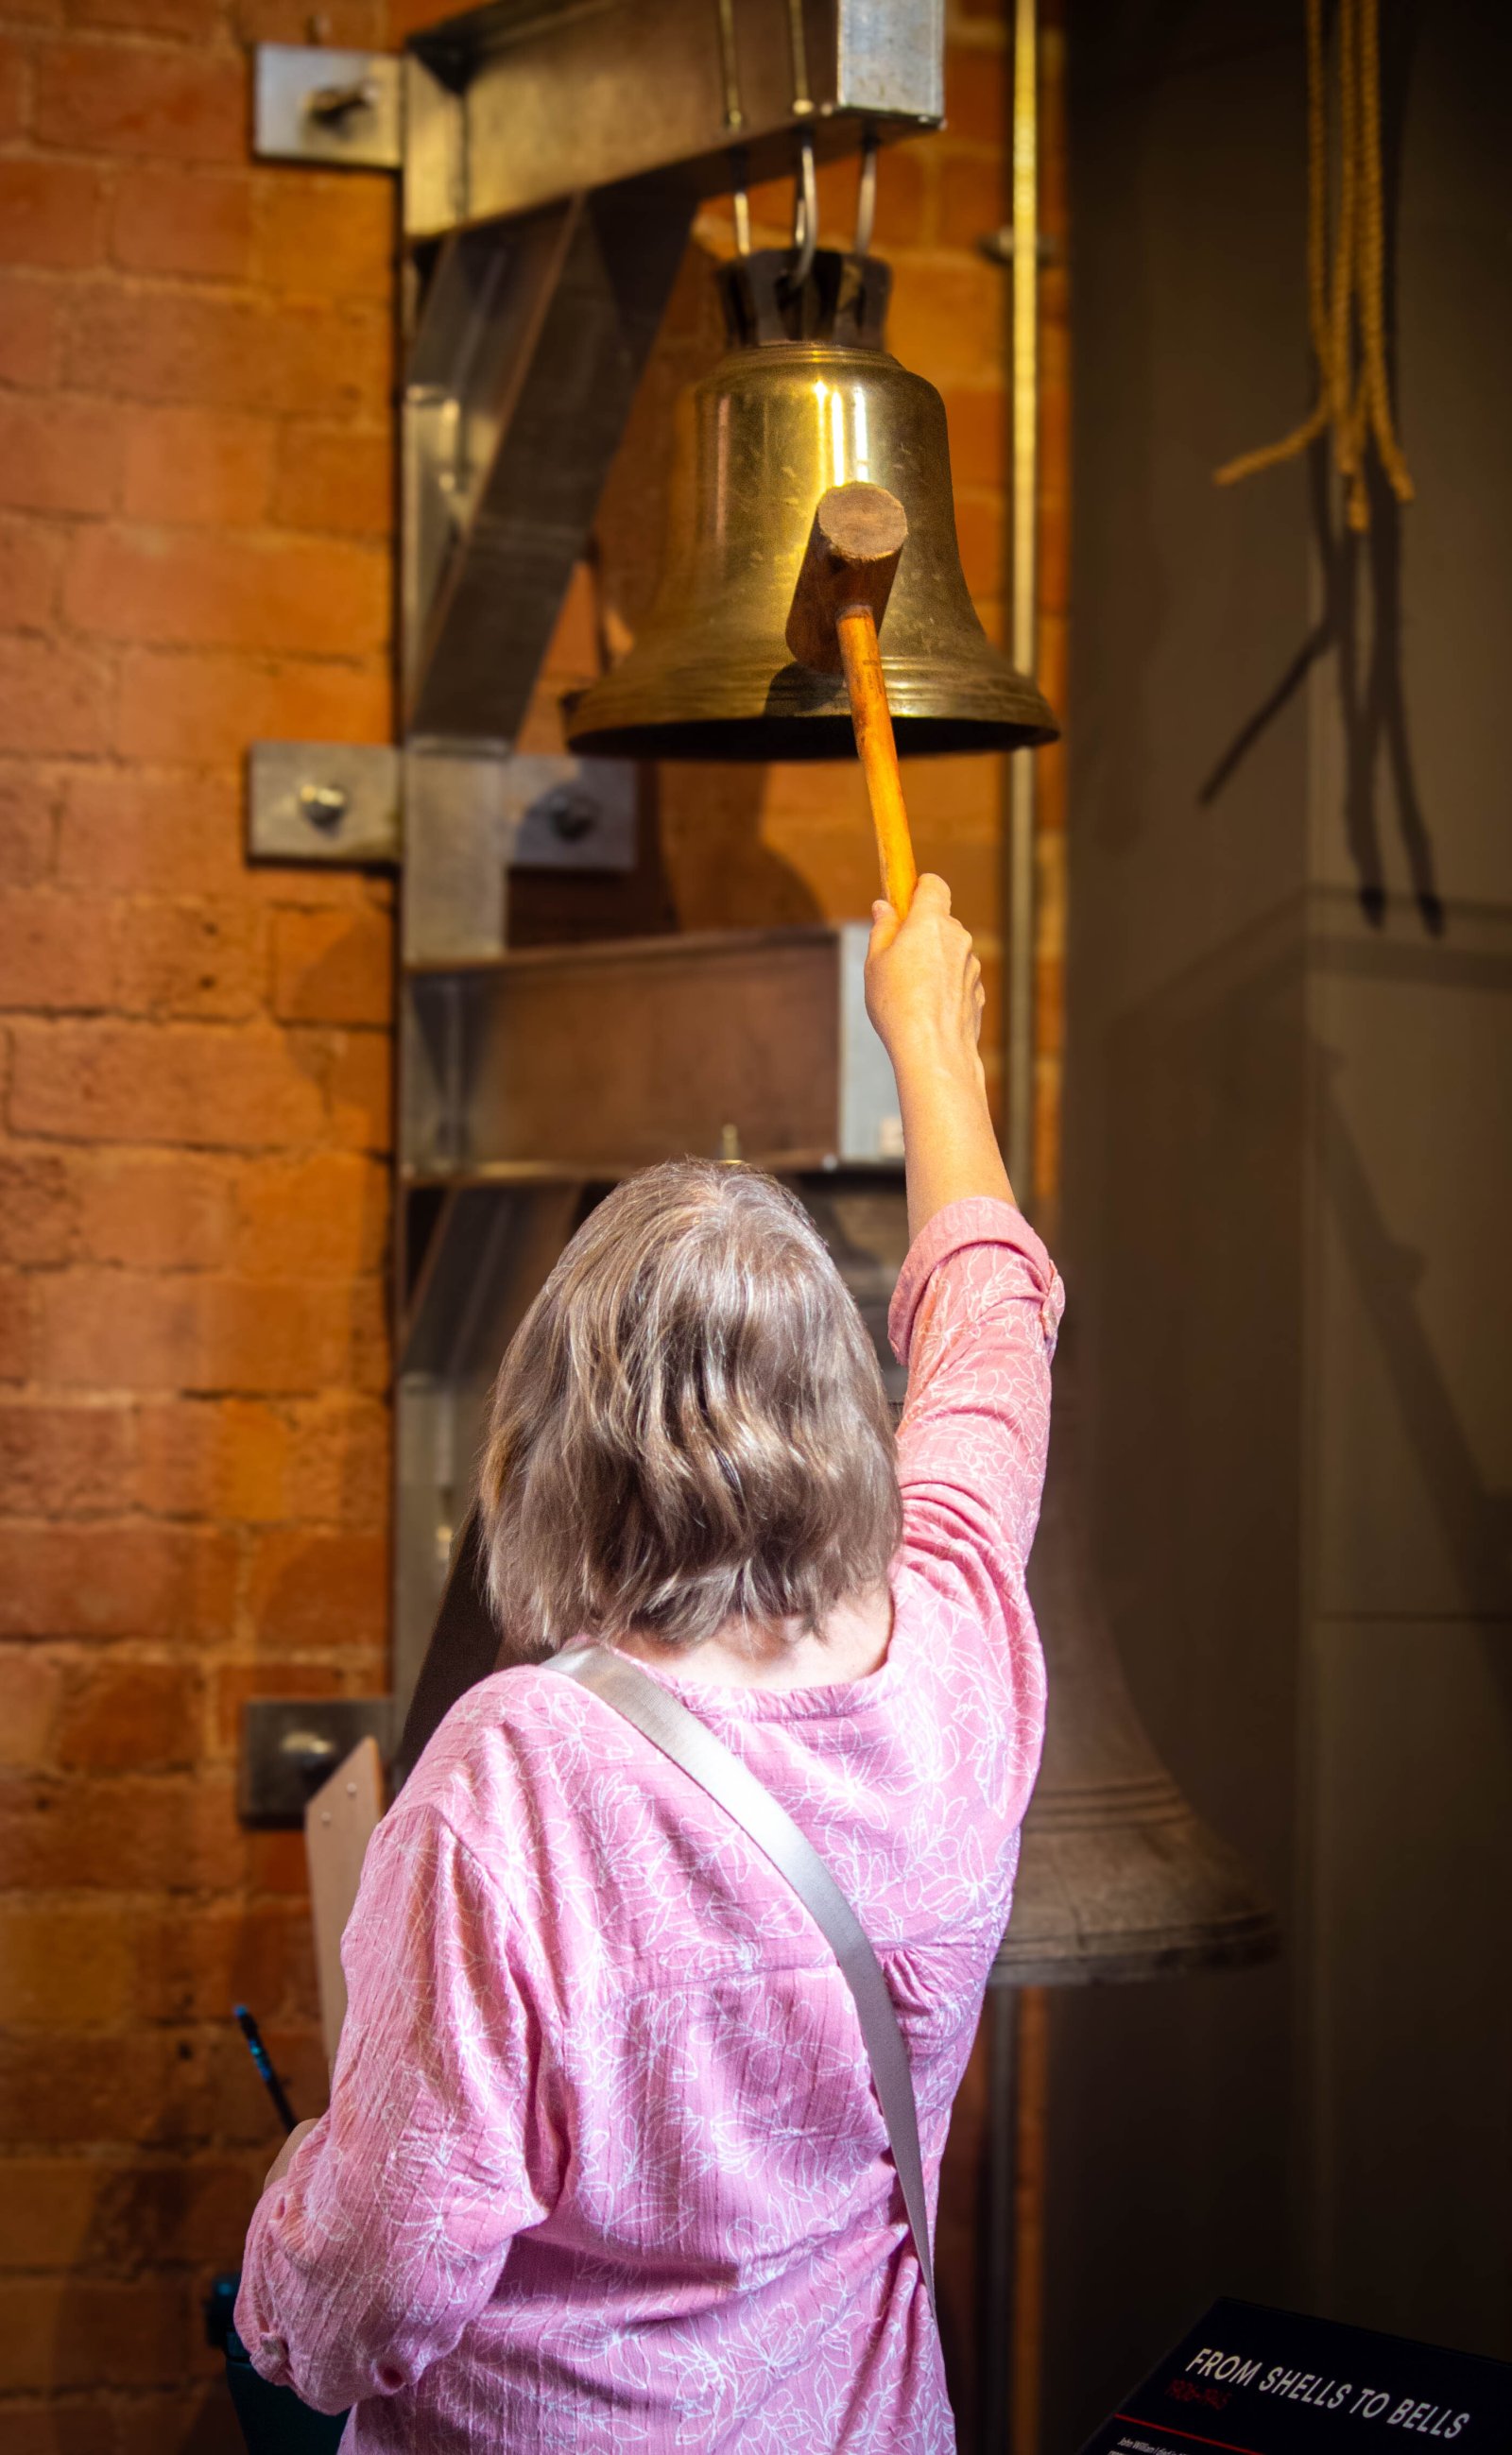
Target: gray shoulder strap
{"points": [[680, 1735]]}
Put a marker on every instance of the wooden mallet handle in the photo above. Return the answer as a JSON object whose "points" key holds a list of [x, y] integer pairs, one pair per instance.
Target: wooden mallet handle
{"points": [[843, 588]]}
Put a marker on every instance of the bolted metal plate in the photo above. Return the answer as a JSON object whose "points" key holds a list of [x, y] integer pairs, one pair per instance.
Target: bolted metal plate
{"points": [[458, 815], [468, 817], [323, 801], [291, 1745], [317, 106]]}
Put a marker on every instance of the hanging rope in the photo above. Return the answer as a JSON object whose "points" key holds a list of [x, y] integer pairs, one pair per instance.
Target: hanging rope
{"points": [[1347, 313]]}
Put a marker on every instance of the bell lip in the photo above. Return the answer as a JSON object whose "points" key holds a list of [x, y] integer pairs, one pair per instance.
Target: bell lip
{"points": [[1133, 1961], [785, 741]]}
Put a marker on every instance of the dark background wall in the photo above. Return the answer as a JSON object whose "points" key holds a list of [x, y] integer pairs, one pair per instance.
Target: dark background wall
{"points": [[1290, 1089]]}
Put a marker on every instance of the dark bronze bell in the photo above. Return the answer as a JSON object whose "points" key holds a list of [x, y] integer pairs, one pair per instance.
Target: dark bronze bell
{"points": [[807, 397], [1118, 1877]]}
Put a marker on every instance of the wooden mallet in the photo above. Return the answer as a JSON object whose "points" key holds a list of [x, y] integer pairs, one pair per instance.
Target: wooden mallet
{"points": [[858, 534]]}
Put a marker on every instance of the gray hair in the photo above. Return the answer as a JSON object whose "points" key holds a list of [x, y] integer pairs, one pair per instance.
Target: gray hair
{"points": [[689, 1426]]}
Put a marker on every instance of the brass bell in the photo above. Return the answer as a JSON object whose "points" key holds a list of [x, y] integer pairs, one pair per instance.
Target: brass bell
{"points": [[806, 398]]}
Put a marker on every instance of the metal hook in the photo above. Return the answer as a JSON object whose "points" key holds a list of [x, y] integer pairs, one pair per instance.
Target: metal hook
{"points": [[729, 67], [805, 216], [739, 198], [867, 194]]}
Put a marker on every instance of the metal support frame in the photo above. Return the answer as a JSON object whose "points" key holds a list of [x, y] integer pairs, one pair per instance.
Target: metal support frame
{"points": [[534, 1083], [550, 159]]}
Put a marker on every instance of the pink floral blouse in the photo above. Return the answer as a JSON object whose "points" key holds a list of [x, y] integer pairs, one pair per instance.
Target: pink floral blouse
{"points": [[603, 2168]]}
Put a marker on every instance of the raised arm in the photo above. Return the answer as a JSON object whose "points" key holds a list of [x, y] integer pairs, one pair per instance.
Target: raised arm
{"points": [[924, 995], [974, 1314]]}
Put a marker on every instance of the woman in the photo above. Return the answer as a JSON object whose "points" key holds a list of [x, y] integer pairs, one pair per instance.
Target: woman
{"points": [[604, 2167]]}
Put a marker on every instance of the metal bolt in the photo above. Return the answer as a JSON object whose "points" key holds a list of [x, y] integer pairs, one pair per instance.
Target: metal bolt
{"points": [[324, 805], [569, 811], [331, 104], [307, 1748]]}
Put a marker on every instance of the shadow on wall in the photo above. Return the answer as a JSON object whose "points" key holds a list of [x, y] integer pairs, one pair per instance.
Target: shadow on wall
{"points": [[1372, 712]]}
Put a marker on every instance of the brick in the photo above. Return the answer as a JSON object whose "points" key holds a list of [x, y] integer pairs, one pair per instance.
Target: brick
{"points": [[977, 85], [140, 831], [193, 467], [191, 222], [107, 97], [13, 88], [975, 200], [188, 20], [167, 1833], [29, 327], [227, 1086], [56, 2427], [57, 953], [254, 1337], [979, 421], [226, 1459], [54, 698], [152, 1211], [406, 18], [949, 316], [30, 575], [340, 1462], [48, 2211], [319, 1589], [17, 1326], [332, 967], [201, 2417], [164, 2088], [64, 1460], [63, 1966], [131, 1718], [574, 653], [50, 213], [903, 199], [325, 234], [166, 2211], [327, 1215], [193, 1965], [307, 358], [202, 589], [30, 1693], [360, 1084], [84, 2332], [277, 1861], [180, 705], [331, 479], [192, 958], [92, 1581], [349, 25], [30, 798]]}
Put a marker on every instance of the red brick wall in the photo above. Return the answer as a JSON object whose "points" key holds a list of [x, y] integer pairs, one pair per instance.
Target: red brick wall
{"points": [[195, 517], [194, 491]]}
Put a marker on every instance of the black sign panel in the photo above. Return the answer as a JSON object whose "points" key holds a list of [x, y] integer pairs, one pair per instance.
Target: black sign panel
{"points": [[1254, 2382]]}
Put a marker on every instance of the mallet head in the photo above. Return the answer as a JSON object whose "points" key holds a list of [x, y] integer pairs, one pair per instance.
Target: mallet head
{"points": [[858, 534]]}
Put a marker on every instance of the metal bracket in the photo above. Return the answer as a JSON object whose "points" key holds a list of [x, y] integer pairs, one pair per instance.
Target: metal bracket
{"points": [[470, 816], [311, 105], [290, 1745], [458, 814], [324, 802]]}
